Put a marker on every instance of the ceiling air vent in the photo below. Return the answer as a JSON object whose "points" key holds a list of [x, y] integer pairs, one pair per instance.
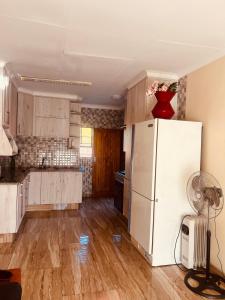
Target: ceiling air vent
{"points": [[55, 81]]}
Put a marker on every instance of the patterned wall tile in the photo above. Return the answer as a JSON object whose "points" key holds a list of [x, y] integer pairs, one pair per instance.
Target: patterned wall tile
{"points": [[181, 98], [55, 151], [102, 118], [86, 164]]}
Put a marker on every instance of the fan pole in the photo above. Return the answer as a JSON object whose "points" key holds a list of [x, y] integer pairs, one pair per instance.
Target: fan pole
{"points": [[208, 254]]}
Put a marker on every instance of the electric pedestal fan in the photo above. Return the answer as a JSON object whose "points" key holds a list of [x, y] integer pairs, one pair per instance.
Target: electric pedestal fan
{"points": [[206, 198]]}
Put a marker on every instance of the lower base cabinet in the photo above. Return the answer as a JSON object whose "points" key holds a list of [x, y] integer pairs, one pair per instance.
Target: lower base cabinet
{"points": [[38, 188], [13, 206], [63, 187]]}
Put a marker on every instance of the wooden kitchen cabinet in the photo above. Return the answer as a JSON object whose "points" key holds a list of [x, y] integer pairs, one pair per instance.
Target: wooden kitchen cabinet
{"points": [[43, 116], [25, 114], [9, 109], [8, 120], [137, 103], [13, 206], [51, 188], [52, 107], [34, 191], [71, 187], [19, 206], [55, 187], [13, 106], [51, 127], [8, 211], [22, 190]]}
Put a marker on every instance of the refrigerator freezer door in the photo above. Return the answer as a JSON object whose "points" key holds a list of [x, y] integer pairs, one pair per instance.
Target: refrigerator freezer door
{"points": [[141, 226], [143, 161]]}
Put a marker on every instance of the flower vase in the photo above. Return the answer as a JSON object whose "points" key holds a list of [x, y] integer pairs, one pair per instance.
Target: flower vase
{"points": [[163, 108]]}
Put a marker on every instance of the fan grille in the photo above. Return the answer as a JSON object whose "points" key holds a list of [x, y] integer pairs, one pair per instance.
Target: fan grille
{"points": [[205, 194]]}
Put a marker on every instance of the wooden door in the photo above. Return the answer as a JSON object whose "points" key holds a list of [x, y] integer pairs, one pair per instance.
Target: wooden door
{"points": [[107, 151]]}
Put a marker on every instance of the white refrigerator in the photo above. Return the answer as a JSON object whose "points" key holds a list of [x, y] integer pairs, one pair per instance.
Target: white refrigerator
{"points": [[165, 154]]}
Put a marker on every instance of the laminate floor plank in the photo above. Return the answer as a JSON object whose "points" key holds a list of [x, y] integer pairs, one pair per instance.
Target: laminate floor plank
{"points": [[86, 255]]}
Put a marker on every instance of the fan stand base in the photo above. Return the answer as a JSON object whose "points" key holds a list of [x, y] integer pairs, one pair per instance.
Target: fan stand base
{"points": [[207, 286]]}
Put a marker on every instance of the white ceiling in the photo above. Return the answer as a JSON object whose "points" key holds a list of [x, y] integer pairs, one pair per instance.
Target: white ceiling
{"points": [[108, 42]]}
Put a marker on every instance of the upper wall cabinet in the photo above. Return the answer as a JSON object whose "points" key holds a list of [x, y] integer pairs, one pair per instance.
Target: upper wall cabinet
{"points": [[51, 127], [9, 108], [8, 116], [51, 107], [25, 114], [137, 106], [51, 117], [43, 116]]}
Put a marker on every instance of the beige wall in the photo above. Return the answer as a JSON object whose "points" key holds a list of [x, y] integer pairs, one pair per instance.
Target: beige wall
{"points": [[206, 103]]}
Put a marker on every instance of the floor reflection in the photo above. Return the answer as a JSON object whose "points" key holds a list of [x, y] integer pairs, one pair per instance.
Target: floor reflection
{"points": [[116, 238], [84, 245]]}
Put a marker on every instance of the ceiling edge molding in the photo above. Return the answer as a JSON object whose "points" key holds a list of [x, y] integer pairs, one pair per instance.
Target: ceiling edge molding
{"points": [[49, 94], [87, 105], [161, 75], [154, 74]]}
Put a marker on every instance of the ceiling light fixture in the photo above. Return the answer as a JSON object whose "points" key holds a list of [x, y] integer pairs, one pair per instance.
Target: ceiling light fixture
{"points": [[55, 81]]}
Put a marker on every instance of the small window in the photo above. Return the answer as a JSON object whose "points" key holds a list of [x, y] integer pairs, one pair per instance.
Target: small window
{"points": [[86, 137]]}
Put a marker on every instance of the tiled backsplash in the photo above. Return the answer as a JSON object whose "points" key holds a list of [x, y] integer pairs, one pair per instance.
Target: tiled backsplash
{"points": [[102, 118], [33, 149]]}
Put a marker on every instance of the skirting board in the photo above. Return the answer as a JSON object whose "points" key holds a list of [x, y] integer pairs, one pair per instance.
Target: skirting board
{"points": [[7, 238], [41, 207]]}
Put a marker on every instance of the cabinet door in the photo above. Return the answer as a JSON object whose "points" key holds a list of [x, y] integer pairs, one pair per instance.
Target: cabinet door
{"points": [[6, 106], [51, 188], [71, 187], [140, 101], [13, 106], [52, 107], [126, 197], [8, 211], [25, 115], [19, 211], [51, 127], [34, 193], [127, 149], [128, 120]]}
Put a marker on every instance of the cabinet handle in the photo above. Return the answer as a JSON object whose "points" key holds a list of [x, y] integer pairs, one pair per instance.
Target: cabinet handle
{"points": [[150, 125]]}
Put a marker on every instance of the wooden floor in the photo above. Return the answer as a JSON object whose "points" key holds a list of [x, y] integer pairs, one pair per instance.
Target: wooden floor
{"points": [[69, 255]]}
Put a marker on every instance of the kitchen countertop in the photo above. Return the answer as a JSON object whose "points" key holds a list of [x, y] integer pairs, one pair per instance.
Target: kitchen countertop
{"points": [[20, 174]]}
